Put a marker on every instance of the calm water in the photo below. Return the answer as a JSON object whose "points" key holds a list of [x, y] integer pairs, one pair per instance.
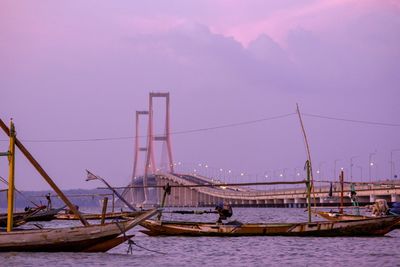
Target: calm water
{"points": [[237, 251]]}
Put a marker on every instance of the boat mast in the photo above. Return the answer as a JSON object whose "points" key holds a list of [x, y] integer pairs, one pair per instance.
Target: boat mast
{"points": [[308, 152], [308, 183], [11, 172]]}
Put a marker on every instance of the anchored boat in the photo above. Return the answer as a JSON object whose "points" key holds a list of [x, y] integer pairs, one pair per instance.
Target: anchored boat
{"points": [[87, 238], [93, 238], [365, 227]]}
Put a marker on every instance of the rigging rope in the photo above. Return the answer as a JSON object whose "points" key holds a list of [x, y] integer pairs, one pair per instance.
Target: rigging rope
{"points": [[230, 125], [209, 128]]}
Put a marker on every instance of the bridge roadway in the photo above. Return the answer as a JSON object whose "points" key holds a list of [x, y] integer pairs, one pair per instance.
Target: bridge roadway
{"points": [[242, 196]]}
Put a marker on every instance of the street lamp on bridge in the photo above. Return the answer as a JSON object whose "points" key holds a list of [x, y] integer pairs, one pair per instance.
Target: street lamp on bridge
{"points": [[351, 167], [370, 165], [319, 171], [334, 168], [392, 165]]}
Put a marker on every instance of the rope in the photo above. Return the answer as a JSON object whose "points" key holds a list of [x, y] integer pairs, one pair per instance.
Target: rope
{"points": [[130, 249]]}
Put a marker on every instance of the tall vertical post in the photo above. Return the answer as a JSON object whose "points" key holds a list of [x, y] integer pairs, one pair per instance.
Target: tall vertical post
{"points": [[308, 167], [11, 158], [341, 178]]}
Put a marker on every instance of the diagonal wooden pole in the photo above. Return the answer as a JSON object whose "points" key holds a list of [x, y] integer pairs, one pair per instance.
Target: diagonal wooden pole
{"points": [[42, 172]]}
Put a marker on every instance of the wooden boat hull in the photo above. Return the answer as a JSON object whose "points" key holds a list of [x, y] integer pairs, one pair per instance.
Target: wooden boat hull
{"points": [[96, 216], [366, 227], [333, 216], [93, 238]]}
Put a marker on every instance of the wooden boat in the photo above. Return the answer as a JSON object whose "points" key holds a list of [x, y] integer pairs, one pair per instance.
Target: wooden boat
{"points": [[96, 216], [365, 227], [92, 238], [44, 215], [20, 218], [336, 216]]}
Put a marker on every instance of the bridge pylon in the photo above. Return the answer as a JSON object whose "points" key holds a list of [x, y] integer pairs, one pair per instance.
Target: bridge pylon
{"points": [[151, 165]]}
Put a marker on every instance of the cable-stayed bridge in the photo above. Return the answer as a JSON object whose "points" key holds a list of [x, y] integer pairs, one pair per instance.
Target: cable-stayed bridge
{"points": [[194, 189]]}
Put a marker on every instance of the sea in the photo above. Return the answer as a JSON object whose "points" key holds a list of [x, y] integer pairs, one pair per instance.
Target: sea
{"points": [[227, 251]]}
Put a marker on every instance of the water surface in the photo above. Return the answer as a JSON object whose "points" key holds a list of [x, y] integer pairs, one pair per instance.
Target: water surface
{"points": [[234, 251]]}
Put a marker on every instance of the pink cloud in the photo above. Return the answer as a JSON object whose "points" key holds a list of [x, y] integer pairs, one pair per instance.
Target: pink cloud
{"points": [[318, 16]]}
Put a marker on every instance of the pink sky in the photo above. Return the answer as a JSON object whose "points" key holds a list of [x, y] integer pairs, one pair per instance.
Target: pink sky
{"points": [[80, 69]]}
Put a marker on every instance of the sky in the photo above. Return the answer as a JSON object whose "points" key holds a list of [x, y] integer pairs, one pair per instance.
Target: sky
{"points": [[73, 70]]}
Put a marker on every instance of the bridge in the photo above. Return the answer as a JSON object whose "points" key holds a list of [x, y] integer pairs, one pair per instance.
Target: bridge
{"points": [[146, 188], [182, 195]]}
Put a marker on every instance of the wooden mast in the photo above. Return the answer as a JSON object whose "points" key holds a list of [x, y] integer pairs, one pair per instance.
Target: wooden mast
{"points": [[308, 167], [308, 152], [10, 195], [44, 174]]}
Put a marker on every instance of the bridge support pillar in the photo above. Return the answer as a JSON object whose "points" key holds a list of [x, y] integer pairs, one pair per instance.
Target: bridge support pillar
{"points": [[269, 202], [395, 198], [300, 202], [278, 202], [289, 202], [372, 198]]}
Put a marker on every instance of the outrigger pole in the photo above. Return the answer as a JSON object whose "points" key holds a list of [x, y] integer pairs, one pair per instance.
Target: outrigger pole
{"points": [[43, 173]]}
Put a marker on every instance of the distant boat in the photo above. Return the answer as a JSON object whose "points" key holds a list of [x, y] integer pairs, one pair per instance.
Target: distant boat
{"points": [[93, 238], [97, 216], [20, 218], [365, 227]]}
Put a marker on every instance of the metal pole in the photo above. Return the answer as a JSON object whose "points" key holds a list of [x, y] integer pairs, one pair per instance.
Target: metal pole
{"points": [[341, 191], [11, 159]]}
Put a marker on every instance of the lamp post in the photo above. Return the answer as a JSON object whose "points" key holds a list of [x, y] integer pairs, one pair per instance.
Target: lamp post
{"points": [[319, 171], [370, 164], [361, 172], [334, 168], [351, 167], [392, 167]]}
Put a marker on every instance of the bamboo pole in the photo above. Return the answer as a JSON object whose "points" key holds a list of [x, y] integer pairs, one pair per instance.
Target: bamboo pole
{"points": [[11, 159], [308, 152], [308, 166], [103, 212], [167, 191], [45, 176]]}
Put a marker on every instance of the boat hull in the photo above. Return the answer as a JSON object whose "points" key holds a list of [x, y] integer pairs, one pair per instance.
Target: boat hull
{"points": [[333, 216], [366, 227], [93, 238]]}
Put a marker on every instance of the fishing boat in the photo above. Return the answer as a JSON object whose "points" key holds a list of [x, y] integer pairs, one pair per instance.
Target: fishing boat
{"points": [[20, 218], [336, 216], [92, 238], [364, 227], [86, 238]]}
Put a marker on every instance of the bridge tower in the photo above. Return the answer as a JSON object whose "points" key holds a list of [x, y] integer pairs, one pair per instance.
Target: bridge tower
{"points": [[150, 167]]}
